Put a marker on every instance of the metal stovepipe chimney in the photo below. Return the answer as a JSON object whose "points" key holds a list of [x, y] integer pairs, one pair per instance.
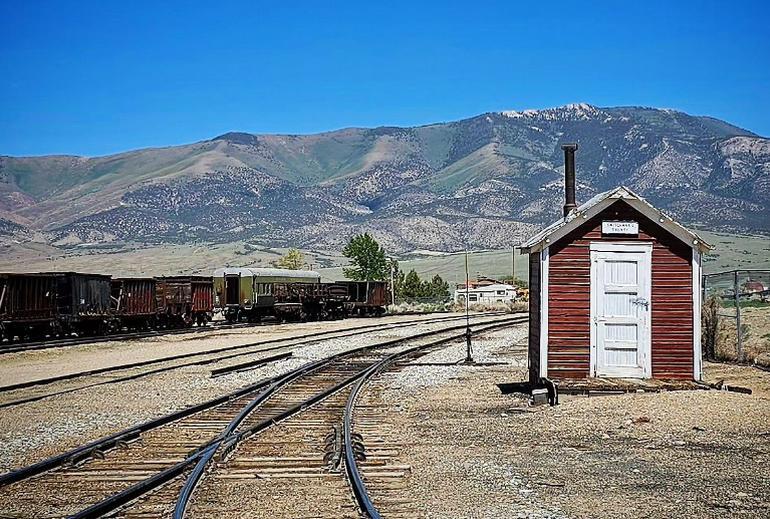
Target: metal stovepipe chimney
{"points": [[569, 177]]}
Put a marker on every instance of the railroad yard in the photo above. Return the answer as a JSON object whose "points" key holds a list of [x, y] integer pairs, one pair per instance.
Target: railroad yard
{"points": [[281, 407]]}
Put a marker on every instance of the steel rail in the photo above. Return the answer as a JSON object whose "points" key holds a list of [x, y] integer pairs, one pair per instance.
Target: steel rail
{"points": [[344, 331], [111, 441], [108, 442], [292, 341], [351, 467], [21, 346], [231, 438]]}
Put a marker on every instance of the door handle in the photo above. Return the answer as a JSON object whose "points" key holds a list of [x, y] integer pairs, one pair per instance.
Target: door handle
{"points": [[641, 302]]}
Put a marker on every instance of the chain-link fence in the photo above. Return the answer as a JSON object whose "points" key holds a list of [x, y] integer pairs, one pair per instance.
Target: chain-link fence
{"points": [[736, 316]]}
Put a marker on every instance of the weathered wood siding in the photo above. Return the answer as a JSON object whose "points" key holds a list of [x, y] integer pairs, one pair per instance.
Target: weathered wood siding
{"points": [[534, 317], [569, 302]]}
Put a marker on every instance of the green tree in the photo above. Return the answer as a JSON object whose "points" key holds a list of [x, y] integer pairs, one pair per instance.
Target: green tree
{"points": [[438, 288], [292, 260], [367, 259], [413, 286]]}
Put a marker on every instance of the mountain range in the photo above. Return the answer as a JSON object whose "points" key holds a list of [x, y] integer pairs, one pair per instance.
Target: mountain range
{"points": [[483, 182]]}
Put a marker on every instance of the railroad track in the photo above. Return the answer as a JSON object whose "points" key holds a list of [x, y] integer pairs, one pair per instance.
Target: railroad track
{"points": [[17, 346], [149, 463], [149, 367]]}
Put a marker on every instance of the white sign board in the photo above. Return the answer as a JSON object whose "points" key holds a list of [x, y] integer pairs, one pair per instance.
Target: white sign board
{"points": [[620, 228]]}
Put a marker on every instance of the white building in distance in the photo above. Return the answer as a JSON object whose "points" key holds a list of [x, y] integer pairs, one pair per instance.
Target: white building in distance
{"points": [[497, 293]]}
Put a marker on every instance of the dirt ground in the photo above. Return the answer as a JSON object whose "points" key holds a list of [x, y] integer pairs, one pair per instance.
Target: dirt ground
{"points": [[474, 452]]}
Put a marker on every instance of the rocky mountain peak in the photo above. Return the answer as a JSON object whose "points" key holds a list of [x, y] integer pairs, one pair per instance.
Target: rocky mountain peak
{"points": [[568, 112], [484, 182], [247, 139]]}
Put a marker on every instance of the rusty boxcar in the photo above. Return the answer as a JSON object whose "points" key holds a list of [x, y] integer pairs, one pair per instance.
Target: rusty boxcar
{"points": [[184, 300]]}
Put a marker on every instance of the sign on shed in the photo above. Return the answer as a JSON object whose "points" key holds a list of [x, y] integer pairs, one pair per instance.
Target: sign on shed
{"points": [[612, 227]]}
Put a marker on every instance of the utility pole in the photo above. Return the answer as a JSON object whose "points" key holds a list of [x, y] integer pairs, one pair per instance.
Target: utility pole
{"points": [[468, 345], [513, 264], [392, 282], [736, 289]]}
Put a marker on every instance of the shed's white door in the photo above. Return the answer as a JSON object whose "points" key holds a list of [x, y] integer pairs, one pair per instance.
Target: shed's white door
{"points": [[620, 309]]}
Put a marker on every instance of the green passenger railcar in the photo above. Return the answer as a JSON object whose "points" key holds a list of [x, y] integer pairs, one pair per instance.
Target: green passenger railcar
{"points": [[250, 293]]}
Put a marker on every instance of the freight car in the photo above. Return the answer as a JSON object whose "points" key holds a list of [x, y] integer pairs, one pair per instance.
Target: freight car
{"points": [[27, 305], [54, 303], [310, 301], [366, 297], [83, 304], [184, 300], [133, 302], [252, 293], [51, 304]]}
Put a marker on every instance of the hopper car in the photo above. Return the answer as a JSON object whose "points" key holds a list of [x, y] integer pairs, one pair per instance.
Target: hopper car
{"points": [[185, 300], [133, 302], [367, 297], [54, 303]]}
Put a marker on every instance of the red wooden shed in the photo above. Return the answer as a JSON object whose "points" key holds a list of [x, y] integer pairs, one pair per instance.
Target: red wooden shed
{"points": [[614, 291]]}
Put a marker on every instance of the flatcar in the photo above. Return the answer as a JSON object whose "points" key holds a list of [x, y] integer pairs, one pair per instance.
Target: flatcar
{"points": [[185, 300], [310, 301]]}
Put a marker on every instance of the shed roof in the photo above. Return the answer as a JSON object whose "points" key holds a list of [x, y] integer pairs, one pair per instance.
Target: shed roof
{"points": [[597, 204]]}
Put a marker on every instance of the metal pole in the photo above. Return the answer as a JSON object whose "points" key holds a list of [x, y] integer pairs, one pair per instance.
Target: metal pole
{"points": [[513, 265], [468, 346], [738, 315], [392, 283]]}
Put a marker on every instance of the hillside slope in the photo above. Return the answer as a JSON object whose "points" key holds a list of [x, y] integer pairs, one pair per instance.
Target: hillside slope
{"points": [[482, 182]]}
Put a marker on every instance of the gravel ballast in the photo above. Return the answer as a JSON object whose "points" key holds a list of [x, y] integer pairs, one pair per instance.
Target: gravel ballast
{"points": [[33, 431], [474, 452]]}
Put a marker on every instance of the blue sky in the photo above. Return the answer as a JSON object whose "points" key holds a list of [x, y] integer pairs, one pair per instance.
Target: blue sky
{"points": [[94, 78]]}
